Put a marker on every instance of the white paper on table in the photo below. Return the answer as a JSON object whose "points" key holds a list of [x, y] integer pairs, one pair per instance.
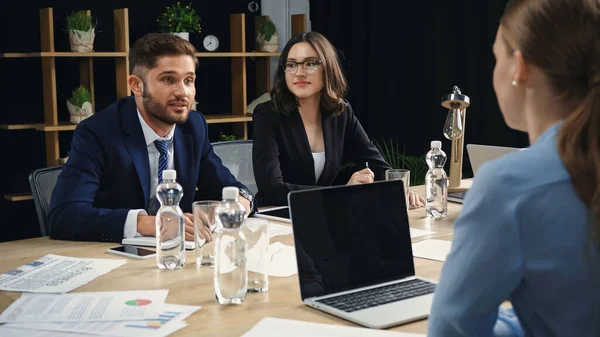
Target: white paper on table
{"points": [[92, 306], [279, 230], [172, 315], [432, 249], [274, 229], [56, 274], [415, 232], [281, 261], [6, 331], [273, 327]]}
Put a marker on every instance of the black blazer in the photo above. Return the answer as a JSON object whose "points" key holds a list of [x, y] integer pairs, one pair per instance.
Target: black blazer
{"points": [[283, 161]]}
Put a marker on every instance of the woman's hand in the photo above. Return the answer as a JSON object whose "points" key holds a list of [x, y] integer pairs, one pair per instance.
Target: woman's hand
{"points": [[415, 200], [364, 176]]}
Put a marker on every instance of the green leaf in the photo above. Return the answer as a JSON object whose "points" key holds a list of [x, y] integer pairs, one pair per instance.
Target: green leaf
{"points": [[80, 21], [179, 18], [267, 29], [390, 150], [80, 95]]}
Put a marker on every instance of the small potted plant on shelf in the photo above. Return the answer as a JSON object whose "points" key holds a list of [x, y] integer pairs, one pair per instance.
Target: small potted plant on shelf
{"points": [[266, 37], [81, 32], [180, 20], [79, 105]]}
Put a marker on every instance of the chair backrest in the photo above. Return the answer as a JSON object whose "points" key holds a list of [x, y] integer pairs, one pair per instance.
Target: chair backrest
{"points": [[42, 182], [237, 157]]}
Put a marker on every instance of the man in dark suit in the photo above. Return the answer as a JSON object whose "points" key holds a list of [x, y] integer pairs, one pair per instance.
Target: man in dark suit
{"points": [[106, 191]]}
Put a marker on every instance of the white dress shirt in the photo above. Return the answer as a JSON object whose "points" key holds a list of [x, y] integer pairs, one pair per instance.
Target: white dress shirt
{"points": [[130, 229], [319, 159]]}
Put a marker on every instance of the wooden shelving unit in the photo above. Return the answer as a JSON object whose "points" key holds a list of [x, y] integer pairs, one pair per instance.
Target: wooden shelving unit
{"points": [[238, 55], [63, 54], [18, 197], [50, 125]]}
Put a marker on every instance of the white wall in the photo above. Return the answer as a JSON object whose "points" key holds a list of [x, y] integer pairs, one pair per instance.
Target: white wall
{"points": [[280, 12]]}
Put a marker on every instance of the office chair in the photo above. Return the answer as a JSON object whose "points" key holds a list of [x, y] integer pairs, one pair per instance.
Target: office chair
{"points": [[42, 182], [237, 157]]}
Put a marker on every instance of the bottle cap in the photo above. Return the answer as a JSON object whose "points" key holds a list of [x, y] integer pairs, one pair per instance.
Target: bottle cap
{"points": [[169, 175], [231, 192], [436, 144]]}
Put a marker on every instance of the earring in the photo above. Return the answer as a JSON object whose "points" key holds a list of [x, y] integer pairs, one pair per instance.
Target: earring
{"points": [[514, 83]]}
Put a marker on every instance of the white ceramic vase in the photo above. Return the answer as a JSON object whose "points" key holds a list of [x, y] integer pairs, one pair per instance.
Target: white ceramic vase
{"points": [[79, 113], [183, 35], [270, 46]]}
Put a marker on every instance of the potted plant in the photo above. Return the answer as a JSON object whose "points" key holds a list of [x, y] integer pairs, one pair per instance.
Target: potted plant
{"points": [[267, 39], [81, 32], [79, 105], [390, 150], [179, 20]]}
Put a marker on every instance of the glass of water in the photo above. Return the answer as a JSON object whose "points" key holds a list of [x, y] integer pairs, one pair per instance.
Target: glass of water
{"points": [[400, 174], [206, 227], [257, 236]]}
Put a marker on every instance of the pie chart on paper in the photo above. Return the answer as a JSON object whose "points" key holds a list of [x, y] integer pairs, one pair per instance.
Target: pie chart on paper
{"points": [[138, 303]]}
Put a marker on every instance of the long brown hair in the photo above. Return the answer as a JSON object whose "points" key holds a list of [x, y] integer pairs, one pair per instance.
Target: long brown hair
{"points": [[561, 38], [333, 96]]}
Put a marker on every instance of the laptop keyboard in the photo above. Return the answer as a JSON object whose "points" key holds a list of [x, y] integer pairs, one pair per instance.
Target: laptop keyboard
{"points": [[379, 296]]}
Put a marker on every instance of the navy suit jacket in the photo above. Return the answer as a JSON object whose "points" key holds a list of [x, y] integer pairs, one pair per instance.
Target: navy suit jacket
{"points": [[108, 173]]}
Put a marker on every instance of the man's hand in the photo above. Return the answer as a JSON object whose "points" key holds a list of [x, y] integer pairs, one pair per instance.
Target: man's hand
{"points": [[146, 225], [189, 226], [205, 227], [246, 204]]}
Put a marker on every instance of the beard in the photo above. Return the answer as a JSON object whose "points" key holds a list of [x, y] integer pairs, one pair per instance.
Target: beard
{"points": [[158, 111]]}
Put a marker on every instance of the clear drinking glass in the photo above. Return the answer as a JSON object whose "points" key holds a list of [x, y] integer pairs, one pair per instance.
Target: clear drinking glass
{"points": [[257, 236], [206, 227], [400, 174]]}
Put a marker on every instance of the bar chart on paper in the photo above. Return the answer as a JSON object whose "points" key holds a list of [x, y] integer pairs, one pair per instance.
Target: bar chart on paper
{"points": [[154, 324]]}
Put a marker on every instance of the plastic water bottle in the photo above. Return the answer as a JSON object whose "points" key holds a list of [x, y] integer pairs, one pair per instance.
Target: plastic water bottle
{"points": [[436, 182], [170, 222], [231, 269]]}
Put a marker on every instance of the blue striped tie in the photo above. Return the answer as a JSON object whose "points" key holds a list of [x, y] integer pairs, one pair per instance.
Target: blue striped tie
{"points": [[163, 163]]}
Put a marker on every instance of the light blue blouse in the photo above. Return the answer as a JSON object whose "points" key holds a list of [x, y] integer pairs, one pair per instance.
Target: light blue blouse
{"points": [[523, 235]]}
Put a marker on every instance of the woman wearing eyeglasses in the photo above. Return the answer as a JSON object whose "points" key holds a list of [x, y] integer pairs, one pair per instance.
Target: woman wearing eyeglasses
{"points": [[308, 135]]}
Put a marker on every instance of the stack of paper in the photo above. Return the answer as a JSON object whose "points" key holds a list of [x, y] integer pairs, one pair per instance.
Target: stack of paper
{"points": [[56, 274], [122, 313]]}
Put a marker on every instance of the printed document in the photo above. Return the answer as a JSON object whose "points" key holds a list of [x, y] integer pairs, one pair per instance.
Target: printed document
{"points": [[56, 274], [92, 306]]}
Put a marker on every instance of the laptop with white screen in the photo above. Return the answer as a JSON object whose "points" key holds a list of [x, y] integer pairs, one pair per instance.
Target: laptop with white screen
{"points": [[354, 254]]}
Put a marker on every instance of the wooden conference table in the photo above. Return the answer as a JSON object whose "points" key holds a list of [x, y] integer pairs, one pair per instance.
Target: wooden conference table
{"points": [[193, 286]]}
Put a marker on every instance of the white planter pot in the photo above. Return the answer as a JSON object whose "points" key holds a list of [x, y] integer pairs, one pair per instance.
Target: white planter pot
{"points": [[82, 42], [183, 35], [270, 46], [78, 114]]}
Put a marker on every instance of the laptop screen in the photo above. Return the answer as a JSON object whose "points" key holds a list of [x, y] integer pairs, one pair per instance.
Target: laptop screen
{"points": [[349, 237]]}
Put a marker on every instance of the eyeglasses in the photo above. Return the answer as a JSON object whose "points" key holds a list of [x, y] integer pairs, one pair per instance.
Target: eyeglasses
{"points": [[291, 67]]}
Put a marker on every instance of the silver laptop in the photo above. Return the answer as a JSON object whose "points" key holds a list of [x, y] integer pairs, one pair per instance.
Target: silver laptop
{"points": [[354, 254], [479, 154]]}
